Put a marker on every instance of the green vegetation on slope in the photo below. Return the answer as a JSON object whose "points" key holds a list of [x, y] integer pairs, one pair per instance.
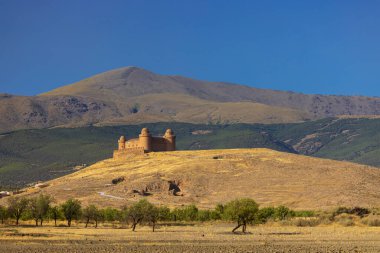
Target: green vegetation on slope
{"points": [[30, 155], [356, 140]]}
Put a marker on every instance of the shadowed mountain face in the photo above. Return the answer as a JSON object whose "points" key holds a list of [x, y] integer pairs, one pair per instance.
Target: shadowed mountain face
{"points": [[132, 95]]}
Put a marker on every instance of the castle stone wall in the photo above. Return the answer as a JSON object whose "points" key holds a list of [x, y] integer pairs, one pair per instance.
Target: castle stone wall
{"points": [[145, 143]]}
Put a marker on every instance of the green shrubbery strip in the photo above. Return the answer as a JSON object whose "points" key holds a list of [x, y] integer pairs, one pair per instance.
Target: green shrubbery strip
{"points": [[241, 211]]}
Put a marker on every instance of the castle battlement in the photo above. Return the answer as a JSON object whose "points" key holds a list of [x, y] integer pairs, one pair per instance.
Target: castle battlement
{"points": [[145, 143]]}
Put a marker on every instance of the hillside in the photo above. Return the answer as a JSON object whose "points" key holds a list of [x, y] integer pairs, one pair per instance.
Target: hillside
{"points": [[133, 95], [207, 178], [28, 156]]}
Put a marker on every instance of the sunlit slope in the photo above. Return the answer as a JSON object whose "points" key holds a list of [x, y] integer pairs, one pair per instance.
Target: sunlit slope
{"points": [[209, 177]]}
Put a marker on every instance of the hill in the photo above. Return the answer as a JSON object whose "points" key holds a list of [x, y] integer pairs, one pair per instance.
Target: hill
{"points": [[133, 95], [207, 178], [28, 156]]}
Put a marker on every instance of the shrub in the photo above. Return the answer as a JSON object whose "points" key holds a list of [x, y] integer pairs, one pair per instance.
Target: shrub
{"points": [[373, 221], [304, 213], [282, 213], [111, 214], [305, 222], [187, 213], [117, 180], [358, 211], [265, 214], [164, 213], [345, 220]]}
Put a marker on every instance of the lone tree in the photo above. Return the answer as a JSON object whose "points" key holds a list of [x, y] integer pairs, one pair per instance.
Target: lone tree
{"points": [[3, 214], [39, 207], [71, 209], [17, 206], [138, 212], [242, 211]]}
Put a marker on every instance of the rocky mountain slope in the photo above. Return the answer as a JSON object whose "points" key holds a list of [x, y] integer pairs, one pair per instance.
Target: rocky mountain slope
{"points": [[207, 178], [132, 95]]}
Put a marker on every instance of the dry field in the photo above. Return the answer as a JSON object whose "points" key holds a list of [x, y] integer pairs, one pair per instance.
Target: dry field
{"points": [[209, 177], [197, 238]]}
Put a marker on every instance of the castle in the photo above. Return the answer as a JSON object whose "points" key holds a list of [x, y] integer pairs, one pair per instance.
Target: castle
{"points": [[145, 143]]}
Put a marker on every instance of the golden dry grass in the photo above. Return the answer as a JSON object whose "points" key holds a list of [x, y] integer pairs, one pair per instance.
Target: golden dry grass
{"points": [[209, 177], [199, 238]]}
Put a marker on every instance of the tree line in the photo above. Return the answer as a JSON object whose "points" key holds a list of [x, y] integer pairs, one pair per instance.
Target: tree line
{"points": [[40, 208]]}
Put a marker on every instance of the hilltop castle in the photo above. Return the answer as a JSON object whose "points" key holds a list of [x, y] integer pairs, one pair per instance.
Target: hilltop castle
{"points": [[145, 143]]}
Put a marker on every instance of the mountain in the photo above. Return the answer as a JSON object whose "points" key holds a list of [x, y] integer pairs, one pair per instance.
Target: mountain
{"points": [[209, 177], [132, 95]]}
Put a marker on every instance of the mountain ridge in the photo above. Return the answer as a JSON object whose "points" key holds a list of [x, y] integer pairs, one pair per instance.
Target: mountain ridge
{"points": [[132, 95]]}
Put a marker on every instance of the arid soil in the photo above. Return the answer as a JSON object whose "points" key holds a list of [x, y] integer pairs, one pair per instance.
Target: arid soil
{"points": [[196, 238]]}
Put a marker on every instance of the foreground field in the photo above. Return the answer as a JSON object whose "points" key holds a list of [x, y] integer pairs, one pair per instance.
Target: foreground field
{"points": [[190, 238]]}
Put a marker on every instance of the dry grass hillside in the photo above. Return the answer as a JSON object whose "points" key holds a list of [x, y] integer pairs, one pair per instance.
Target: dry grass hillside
{"points": [[217, 176], [128, 82], [133, 95]]}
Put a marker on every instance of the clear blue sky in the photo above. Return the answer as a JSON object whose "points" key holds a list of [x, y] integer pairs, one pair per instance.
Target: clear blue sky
{"points": [[322, 46]]}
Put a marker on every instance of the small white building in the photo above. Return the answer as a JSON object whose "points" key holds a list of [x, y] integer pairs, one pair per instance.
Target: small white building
{"points": [[4, 194]]}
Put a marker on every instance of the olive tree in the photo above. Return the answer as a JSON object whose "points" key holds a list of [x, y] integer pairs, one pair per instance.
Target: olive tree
{"points": [[71, 209], [17, 207], [151, 214], [92, 213], [39, 207], [3, 214], [136, 213], [55, 213], [242, 211]]}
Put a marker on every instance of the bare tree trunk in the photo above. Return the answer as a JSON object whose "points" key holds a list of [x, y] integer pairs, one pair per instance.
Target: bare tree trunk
{"points": [[238, 226], [153, 226], [17, 219], [87, 221], [69, 222], [96, 223], [134, 226], [55, 221], [244, 228], [41, 220]]}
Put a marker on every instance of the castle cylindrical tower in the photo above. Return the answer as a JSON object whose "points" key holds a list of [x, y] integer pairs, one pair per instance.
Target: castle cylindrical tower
{"points": [[145, 139], [121, 143], [170, 140]]}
